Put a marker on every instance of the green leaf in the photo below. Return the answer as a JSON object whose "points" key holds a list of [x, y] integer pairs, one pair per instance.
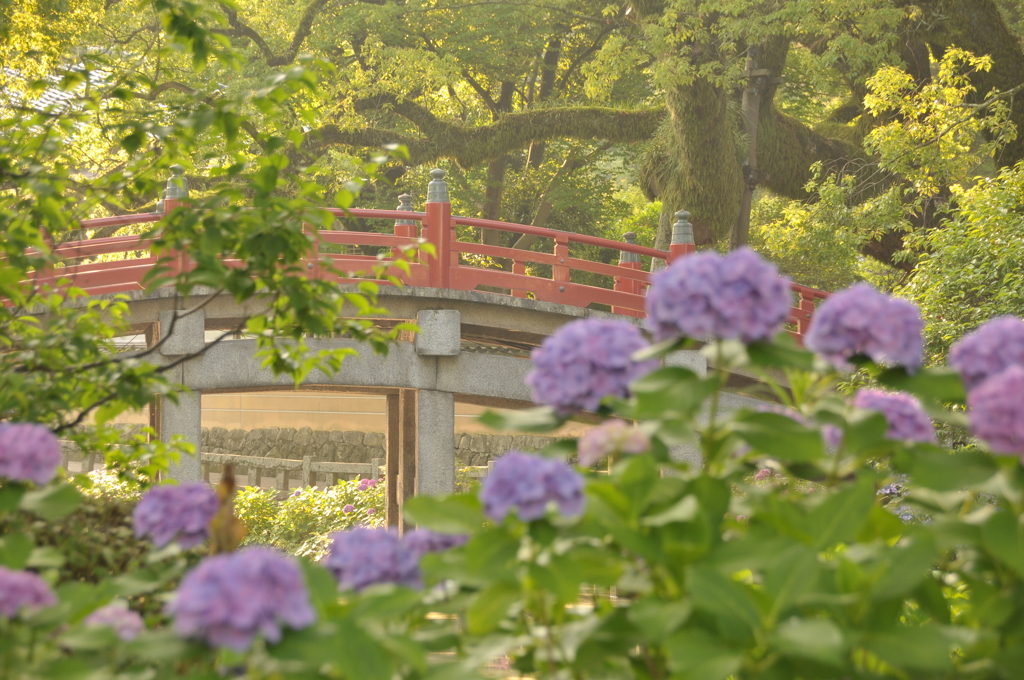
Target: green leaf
{"points": [[15, 550], [490, 607], [339, 642], [1003, 536], [322, 586], [46, 557], [818, 640], [453, 515], [693, 654], [52, 502], [657, 618], [683, 511], [907, 565], [838, 519], [541, 419], [779, 436], [925, 648], [722, 597], [941, 470], [11, 494], [782, 353], [931, 384]]}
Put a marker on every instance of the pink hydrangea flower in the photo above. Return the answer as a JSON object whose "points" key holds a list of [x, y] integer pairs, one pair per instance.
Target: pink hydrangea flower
{"points": [[585, 361], [903, 412], [861, 320], [230, 599], [995, 410], [363, 557], [993, 347], [126, 623], [609, 437], [182, 512], [28, 453], [707, 295], [23, 590], [527, 484]]}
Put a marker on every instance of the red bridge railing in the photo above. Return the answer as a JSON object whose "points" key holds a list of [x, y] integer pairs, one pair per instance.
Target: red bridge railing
{"points": [[447, 269]]}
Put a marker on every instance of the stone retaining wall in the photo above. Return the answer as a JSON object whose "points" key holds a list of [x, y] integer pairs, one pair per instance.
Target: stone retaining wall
{"points": [[351, 446]]}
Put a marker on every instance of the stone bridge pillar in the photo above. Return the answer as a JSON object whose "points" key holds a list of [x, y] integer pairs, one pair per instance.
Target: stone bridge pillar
{"points": [[181, 336]]}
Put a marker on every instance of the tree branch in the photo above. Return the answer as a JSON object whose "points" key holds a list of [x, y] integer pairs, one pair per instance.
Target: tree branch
{"points": [[472, 146]]}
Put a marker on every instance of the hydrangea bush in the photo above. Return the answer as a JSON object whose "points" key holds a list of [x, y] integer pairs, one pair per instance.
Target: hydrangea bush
{"points": [[790, 549]]}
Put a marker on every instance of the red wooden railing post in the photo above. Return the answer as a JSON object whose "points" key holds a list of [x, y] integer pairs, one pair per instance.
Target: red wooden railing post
{"points": [[561, 272], [176, 194], [624, 284], [682, 237], [519, 267], [312, 262], [806, 306], [438, 230]]}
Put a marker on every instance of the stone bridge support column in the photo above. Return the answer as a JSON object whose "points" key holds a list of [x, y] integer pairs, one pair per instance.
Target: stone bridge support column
{"points": [[181, 337], [435, 442], [695, 361]]}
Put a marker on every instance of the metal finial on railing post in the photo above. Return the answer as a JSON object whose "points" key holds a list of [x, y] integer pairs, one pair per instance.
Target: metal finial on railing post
{"points": [[624, 255], [405, 227], [438, 229], [682, 236], [437, 189], [177, 185]]}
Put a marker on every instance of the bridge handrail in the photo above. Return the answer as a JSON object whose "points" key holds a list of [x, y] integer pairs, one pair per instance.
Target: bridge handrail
{"points": [[446, 269]]}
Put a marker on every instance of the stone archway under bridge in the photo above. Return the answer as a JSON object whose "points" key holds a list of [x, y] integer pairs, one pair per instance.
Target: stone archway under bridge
{"points": [[473, 348]]}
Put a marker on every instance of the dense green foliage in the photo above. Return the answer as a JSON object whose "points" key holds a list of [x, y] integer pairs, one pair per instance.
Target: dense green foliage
{"points": [[301, 523], [973, 268]]}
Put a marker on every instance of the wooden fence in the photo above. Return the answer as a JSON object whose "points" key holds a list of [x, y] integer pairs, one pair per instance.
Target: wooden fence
{"points": [[284, 470]]}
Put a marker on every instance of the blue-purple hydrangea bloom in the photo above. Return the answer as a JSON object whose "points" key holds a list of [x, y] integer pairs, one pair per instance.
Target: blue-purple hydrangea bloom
{"points": [[126, 623], [993, 347], [423, 541], [995, 410], [363, 557], [528, 484], [609, 437], [708, 295], [584, 361], [181, 513], [28, 453], [860, 320], [23, 590], [907, 420], [230, 599]]}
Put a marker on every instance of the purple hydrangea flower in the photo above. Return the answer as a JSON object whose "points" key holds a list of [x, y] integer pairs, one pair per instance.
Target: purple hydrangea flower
{"points": [[23, 589], [371, 511], [348, 508], [28, 453], [903, 412], [609, 437], [230, 599], [362, 557], [182, 513], [833, 436], [584, 361], [126, 623], [994, 346], [423, 541], [764, 474], [995, 410], [528, 484], [860, 320], [708, 295]]}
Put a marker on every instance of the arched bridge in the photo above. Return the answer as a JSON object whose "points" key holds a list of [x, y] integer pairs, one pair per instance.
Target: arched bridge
{"points": [[473, 343]]}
